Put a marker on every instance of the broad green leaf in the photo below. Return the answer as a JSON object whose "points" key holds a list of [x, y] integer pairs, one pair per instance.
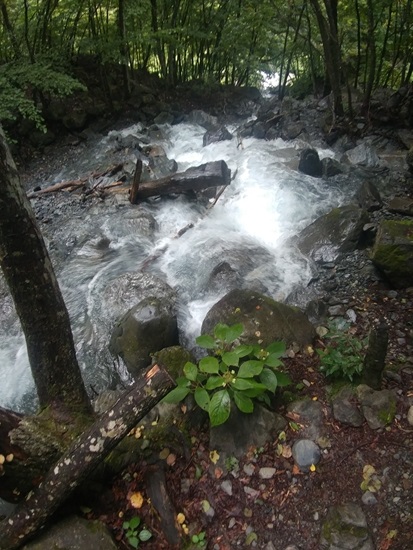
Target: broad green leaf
{"points": [[242, 384], [183, 381], [209, 364], [243, 402], [205, 341], [176, 395], [283, 379], [145, 535], [277, 348], [228, 334], [273, 360], [243, 350], [269, 379], [250, 369], [191, 371], [134, 522], [133, 541], [219, 407], [231, 359], [202, 398], [214, 382]]}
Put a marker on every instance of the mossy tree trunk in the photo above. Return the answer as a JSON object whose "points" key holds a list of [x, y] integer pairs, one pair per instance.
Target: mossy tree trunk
{"points": [[39, 303]]}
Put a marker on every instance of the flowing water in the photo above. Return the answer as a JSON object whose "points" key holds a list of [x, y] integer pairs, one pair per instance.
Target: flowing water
{"points": [[267, 202]]}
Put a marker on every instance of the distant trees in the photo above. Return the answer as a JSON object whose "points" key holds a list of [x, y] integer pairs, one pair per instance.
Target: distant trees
{"points": [[353, 43]]}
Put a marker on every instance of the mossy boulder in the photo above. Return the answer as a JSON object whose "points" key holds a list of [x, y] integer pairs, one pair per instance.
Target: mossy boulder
{"points": [[345, 527], [264, 320], [173, 359], [392, 253], [339, 231], [148, 327]]}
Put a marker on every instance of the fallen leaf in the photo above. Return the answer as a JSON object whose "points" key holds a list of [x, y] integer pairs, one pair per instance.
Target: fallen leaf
{"points": [[171, 459], [286, 451], [296, 470], [218, 473], [164, 453], [214, 456], [312, 468], [180, 518], [136, 500]]}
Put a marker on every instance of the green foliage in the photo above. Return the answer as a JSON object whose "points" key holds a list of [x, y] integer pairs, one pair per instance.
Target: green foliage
{"points": [[236, 373], [343, 356], [199, 540], [21, 84], [133, 535]]}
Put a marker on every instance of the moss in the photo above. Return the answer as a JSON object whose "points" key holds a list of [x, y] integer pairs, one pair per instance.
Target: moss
{"points": [[386, 415]]}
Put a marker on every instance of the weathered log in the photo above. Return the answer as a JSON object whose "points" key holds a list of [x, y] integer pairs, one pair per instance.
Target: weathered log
{"points": [[83, 456], [210, 174], [133, 197]]}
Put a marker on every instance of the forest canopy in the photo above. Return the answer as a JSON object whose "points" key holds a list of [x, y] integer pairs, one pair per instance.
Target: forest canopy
{"points": [[323, 45]]}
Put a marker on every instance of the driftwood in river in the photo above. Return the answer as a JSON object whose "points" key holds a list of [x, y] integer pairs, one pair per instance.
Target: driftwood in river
{"points": [[197, 178], [83, 456]]}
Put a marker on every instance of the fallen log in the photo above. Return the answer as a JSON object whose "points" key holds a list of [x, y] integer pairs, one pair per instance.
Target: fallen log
{"points": [[197, 178], [83, 456]]}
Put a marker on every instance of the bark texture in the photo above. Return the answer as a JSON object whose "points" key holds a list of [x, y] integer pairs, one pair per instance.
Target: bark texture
{"points": [[210, 174], [39, 303], [83, 456]]}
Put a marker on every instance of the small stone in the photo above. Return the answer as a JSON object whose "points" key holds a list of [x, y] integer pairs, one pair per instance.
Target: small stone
{"points": [[306, 453], [368, 498], [226, 486], [316, 516], [251, 492], [336, 311], [249, 469], [231, 523], [410, 416], [266, 473]]}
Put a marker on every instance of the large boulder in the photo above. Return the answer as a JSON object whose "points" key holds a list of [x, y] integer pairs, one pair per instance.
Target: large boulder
{"points": [[310, 163], [213, 136], [345, 527], [368, 197], [264, 320], [339, 231], [74, 533], [148, 327], [392, 253], [202, 118]]}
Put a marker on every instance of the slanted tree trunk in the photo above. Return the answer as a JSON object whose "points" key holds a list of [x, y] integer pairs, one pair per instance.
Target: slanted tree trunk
{"points": [[39, 303], [83, 456], [211, 174]]}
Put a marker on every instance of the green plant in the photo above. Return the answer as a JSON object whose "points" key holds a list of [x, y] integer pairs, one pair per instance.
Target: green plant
{"points": [[199, 540], [343, 355], [235, 373], [132, 533]]}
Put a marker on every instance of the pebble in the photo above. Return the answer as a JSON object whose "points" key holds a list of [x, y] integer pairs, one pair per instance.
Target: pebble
{"points": [[305, 453], [249, 469], [266, 473], [226, 486], [368, 498], [251, 492]]}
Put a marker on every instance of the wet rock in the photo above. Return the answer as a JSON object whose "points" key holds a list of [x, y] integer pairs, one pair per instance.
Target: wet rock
{"points": [[310, 415], [242, 431], [291, 130], [364, 155], [306, 453], [345, 408], [213, 136], [379, 407], [164, 118], [74, 533], [223, 277], [392, 253], [310, 163], [401, 205], [368, 197], [331, 167], [75, 120], [202, 118], [345, 528], [335, 233], [146, 328], [264, 320]]}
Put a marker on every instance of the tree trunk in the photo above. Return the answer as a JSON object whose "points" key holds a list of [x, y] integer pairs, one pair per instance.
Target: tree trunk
{"points": [[211, 174], [83, 456], [39, 303]]}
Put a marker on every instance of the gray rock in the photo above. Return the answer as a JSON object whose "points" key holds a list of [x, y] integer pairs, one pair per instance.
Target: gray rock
{"points": [[332, 167], [213, 136], [74, 533], [379, 407], [242, 431], [264, 320], [345, 408], [164, 118], [392, 253], [310, 163], [368, 197], [364, 155], [401, 205], [345, 528], [202, 118], [335, 233], [369, 498], [310, 414], [306, 453], [146, 328]]}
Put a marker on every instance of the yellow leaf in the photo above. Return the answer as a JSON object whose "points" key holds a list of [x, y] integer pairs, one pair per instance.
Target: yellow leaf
{"points": [[136, 500], [2, 459], [391, 534], [180, 518], [214, 457], [312, 468], [287, 452], [315, 398], [185, 528]]}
